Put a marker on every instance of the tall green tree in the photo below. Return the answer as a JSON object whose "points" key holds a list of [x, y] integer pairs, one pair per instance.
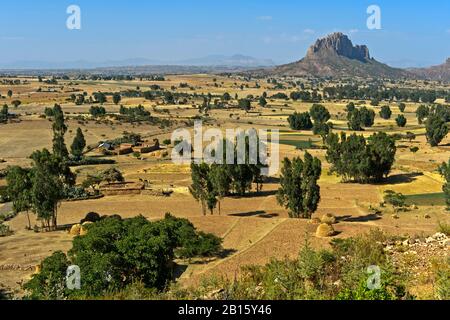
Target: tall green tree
{"points": [[78, 144], [436, 130], [262, 102], [367, 117], [422, 113], [221, 181], [385, 112], [299, 191], [401, 120], [19, 187], [202, 188], [444, 170], [117, 98], [48, 187], [355, 121], [381, 151], [59, 130]]}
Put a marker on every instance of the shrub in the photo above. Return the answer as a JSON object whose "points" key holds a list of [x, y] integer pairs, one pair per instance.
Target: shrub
{"points": [[114, 253], [442, 279], [50, 282], [4, 230], [444, 228], [394, 198]]}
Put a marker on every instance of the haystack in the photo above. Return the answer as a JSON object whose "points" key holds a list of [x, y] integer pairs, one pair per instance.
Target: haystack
{"points": [[314, 221], [328, 219], [75, 230], [324, 231], [84, 230]]}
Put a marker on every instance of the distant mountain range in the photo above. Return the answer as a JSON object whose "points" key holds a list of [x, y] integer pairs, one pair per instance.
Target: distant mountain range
{"points": [[440, 72], [236, 60], [332, 56]]}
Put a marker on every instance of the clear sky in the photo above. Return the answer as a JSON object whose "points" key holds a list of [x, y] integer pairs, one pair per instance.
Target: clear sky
{"points": [[413, 32]]}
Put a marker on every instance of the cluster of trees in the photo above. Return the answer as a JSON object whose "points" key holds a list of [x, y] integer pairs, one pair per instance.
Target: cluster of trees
{"points": [[435, 118], [100, 97], [306, 96], [358, 159], [300, 121], [110, 175], [135, 114], [116, 253], [245, 104], [358, 118], [97, 111], [213, 182], [40, 188], [379, 93], [320, 116], [424, 111], [316, 119], [299, 191]]}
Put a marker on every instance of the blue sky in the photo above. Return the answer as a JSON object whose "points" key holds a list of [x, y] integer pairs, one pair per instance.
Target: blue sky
{"points": [[413, 32]]}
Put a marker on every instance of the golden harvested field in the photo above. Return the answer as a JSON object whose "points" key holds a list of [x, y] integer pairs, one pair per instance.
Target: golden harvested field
{"points": [[255, 228]]}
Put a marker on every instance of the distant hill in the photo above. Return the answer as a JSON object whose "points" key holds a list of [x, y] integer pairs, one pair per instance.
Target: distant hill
{"points": [[440, 72], [336, 56], [235, 61]]}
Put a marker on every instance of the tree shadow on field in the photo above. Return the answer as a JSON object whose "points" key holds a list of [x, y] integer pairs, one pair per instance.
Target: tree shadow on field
{"points": [[400, 178], [258, 194], [366, 218], [274, 180], [259, 214]]}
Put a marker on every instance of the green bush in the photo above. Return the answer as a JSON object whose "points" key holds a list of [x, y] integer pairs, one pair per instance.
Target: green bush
{"points": [[50, 283], [4, 230], [116, 253], [442, 280], [394, 198]]}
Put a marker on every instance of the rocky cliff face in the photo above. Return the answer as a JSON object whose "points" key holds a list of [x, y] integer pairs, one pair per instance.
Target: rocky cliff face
{"points": [[340, 44], [336, 56]]}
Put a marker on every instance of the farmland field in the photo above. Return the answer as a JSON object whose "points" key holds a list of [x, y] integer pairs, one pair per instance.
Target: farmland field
{"points": [[254, 227]]}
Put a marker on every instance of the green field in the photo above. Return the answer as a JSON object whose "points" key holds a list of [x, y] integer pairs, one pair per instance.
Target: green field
{"points": [[426, 199]]}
